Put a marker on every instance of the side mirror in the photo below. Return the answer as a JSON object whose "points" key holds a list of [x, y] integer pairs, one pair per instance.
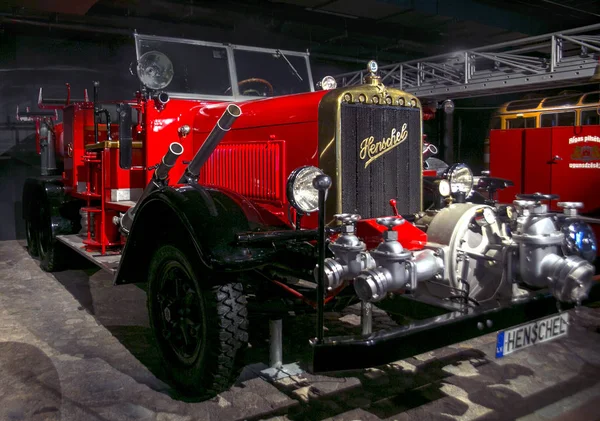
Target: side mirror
{"points": [[125, 137]]}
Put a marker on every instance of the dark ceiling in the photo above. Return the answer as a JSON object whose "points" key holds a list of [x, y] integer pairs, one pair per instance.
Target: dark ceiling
{"points": [[333, 30]]}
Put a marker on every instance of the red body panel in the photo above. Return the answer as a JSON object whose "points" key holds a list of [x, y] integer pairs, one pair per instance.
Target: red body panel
{"points": [[271, 138], [525, 156], [576, 175], [538, 152], [507, 152]]}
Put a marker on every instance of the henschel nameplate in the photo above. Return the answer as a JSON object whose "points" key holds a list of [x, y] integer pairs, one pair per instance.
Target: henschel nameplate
{"points": [[370, 150]]}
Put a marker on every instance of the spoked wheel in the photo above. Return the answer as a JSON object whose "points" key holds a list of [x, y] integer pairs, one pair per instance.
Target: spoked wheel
{"points": [[52, 253], [200, 329], [32, 238], [181, 314]]}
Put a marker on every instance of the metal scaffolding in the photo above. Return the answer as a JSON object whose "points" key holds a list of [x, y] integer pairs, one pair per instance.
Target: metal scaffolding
{"points": [[546, 61]]}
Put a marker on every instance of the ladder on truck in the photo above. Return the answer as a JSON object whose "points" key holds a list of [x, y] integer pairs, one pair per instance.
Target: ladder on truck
{"points": [[541, 62]]}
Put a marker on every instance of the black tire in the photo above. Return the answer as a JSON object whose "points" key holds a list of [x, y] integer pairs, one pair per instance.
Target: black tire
{"points": [[51, 252], [32, 238], [202, 352]]}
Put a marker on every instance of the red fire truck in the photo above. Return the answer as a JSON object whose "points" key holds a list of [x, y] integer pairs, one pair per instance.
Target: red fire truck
{"points": [[229, 184]]}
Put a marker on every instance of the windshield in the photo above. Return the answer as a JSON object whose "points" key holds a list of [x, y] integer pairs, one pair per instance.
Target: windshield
{"points": [[204, 70], [270, 73], [196, 68]]}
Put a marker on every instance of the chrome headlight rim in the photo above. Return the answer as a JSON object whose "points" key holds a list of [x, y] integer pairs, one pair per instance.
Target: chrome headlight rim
{"points": [[576, 232], [305, 171], [328, 83], [453, 172]]}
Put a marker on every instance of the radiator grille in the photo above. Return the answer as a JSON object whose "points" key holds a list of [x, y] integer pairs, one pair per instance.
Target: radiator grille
{"points": [[253, 169], [382, 172]]}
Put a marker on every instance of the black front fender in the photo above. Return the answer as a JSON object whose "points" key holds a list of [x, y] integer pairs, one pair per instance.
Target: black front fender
{"points": [[201, 221]]}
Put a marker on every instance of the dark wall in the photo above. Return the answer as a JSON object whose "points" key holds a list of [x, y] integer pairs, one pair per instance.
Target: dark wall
{"points": [[30, 62]]}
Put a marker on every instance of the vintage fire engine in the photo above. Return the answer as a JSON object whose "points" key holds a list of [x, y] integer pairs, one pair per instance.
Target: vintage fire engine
{"points": [[230, 185]]}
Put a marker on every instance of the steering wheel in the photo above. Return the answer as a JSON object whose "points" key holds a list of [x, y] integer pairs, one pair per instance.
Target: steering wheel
{"points": [[256, 80], [537, 196]]}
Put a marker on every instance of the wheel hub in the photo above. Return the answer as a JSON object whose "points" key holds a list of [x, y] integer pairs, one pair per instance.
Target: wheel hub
{"points": [[180, 312]]}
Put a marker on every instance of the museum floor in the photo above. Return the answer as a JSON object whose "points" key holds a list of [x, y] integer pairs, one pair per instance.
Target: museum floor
{"points": [[74, 347]]}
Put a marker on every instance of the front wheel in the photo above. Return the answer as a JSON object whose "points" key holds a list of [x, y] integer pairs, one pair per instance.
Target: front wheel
{"points": [[201, 329]]}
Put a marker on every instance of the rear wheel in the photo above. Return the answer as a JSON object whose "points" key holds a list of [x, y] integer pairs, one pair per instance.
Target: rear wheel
{"points": [[200, 329], [31, 237], [51, 252]]}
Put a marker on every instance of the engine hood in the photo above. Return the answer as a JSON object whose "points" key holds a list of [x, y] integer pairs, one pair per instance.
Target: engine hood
{"points": [[282, 110]]}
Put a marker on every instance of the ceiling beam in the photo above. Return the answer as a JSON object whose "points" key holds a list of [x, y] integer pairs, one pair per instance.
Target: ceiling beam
{"points": [[75, 7], [476, 11]]}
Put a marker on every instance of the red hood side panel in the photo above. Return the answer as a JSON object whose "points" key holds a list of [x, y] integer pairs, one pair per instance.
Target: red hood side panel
{"points": [[290, 109], [291, 120]]}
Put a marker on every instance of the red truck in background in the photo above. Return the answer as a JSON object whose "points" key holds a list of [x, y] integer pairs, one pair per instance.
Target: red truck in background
{"points": [[550, 144]]}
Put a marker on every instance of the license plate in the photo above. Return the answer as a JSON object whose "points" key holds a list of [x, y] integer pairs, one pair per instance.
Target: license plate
{"points": [[542, 330]]}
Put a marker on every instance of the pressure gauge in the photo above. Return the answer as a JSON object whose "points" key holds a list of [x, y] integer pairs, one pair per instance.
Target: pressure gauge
{"points": [[489, 216], [444, 188], [485, 217]]}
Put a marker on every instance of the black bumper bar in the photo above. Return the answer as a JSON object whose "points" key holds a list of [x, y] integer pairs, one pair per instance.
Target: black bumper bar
{"points": [[383, 347]]}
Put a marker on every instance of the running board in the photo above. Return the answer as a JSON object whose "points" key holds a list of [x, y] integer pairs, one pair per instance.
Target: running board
{"points": [[108, 262]]}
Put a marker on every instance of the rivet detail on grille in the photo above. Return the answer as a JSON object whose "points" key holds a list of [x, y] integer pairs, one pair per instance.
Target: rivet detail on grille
{"points": [[375, 99], [400, 101], [362, 98]]}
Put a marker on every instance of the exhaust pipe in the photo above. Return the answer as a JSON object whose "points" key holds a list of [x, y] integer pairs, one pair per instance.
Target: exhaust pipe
{"points": [[192, 172], [160, 100], [47, 151], [158, 180]]}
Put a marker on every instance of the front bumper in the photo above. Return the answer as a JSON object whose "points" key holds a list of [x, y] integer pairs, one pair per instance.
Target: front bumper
{"points": [[384, 347]]}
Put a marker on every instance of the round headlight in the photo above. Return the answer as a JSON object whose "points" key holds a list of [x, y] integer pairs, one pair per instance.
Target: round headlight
{"points": [[579, 240], [328, 83], [155, 70], [444, 188], [460, 178], [300, 191]]}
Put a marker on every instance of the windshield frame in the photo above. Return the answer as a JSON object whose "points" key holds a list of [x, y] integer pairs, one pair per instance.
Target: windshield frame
{"points": [[230, 49]]}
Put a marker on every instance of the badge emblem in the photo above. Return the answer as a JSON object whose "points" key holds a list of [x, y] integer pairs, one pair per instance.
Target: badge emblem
{"points": [[370, 150]]}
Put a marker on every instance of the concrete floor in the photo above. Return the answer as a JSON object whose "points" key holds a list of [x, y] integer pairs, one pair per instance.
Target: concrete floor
{"points": [[74, 347]]}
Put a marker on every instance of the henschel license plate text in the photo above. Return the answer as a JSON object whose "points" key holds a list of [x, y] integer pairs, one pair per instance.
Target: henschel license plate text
{"points": [[523, 336]]}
